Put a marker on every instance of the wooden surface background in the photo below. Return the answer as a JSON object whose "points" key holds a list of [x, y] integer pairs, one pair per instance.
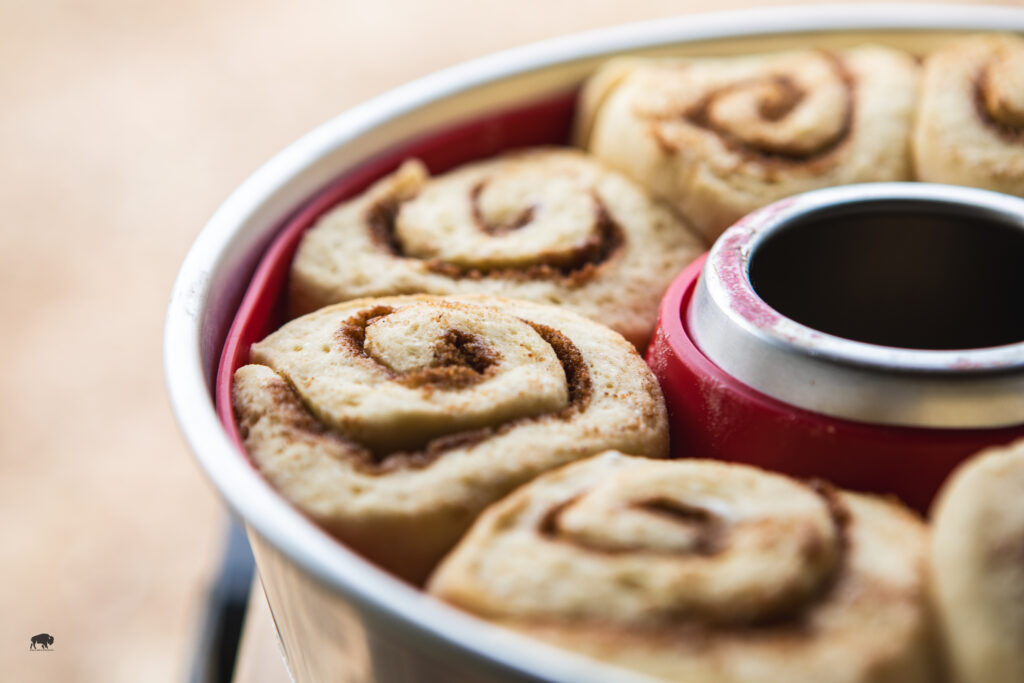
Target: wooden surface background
{"points": [[122, 126]]}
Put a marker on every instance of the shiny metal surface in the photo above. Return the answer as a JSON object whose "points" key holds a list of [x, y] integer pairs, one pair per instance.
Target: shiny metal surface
{"points": [[329, 635], [339, 617], [841, 377]]}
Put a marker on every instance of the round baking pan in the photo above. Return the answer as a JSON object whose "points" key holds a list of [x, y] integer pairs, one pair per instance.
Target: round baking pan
{"points": [[338, 617]]}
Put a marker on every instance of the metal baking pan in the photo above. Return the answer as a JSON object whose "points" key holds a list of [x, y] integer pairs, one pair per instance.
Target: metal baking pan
{"points": [[338, 617]]}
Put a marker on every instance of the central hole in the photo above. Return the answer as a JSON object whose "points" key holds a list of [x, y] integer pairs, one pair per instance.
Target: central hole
{"points": [[898, 274]]}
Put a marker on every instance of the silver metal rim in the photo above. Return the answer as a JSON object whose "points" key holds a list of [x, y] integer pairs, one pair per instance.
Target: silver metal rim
{"points": [[247, 217], [739, 332]]}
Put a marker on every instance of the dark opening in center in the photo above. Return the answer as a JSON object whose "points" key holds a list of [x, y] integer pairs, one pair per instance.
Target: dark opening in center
{"points": [[901, 274]]}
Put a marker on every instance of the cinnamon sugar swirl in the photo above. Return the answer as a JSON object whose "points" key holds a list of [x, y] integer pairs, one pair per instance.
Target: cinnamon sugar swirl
{"points": [[720, 137], [692, 570], [551, 226], [970, 123], [392, 422]]}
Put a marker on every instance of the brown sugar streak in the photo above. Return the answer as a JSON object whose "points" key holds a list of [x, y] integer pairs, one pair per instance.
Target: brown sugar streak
{"points": [[573, 268], [795, 619], [524, 217], [775, 109], [1013, 135], [466, 358]]}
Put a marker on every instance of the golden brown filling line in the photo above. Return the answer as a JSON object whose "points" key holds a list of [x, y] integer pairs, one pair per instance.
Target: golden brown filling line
{"points": [[460, 360], [573, 268], [691, 515], [783, 96], [524, 217], [711, 540], [709, 526], [983, 105]]}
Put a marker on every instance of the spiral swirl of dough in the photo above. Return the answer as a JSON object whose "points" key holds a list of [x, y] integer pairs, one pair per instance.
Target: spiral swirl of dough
{"points": [[393, 421], [977, 554], [970, 123], [721, 137], [701, 570], [551, 226]]}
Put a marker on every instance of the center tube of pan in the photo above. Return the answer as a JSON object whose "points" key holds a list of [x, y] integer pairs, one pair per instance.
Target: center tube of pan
{"points": [[896, 275]]}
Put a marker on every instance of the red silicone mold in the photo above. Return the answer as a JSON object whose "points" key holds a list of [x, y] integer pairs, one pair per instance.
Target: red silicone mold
{"points": [[714, 415]]}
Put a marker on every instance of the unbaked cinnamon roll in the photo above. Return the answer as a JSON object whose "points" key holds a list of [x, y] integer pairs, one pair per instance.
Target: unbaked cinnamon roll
{"points": [[978, 567], [970, 122], [392, 422], [721, 137], [693, 570], [551, 226]]}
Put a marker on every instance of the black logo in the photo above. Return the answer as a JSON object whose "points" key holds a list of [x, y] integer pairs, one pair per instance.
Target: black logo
{"points": [[44, 639]]}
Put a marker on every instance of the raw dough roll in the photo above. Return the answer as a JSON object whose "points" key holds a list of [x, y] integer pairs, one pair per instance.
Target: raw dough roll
{"points": [[978, 567], [721, 137], [970, 123], [392, 422], [696, 570], [551, 226]]}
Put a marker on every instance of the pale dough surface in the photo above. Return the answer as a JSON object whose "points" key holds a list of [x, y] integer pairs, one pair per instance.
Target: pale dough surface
{"points": [[692, 570], [970, 121], [720, 137], [977, 556], [307, 404], [549, 225]]}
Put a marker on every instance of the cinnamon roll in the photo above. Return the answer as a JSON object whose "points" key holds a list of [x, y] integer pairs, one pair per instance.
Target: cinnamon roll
{"points": [[970, 122], [551, 226], [392, 422], [721, 137], [693, 570], [978, 567]]}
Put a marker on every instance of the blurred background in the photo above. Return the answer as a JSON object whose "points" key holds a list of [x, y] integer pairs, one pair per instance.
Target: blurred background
{"points": [[122, 126]]}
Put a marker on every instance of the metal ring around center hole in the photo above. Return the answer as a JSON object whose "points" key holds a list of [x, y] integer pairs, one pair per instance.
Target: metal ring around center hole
{"points": [[791, 362]]}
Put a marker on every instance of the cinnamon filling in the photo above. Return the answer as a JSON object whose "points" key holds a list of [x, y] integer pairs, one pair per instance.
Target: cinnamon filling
{"points": [[523, 218], [711, 540], [461, 359], [1012, 134], [352, 333], [708, 526], [550, 523], [380, 221], [784, 95], [782, 99], [572, 268], [577, 375]]}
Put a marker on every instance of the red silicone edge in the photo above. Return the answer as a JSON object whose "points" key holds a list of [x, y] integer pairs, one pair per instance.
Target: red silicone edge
{"points": [[546, 121], [714, 415]]}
